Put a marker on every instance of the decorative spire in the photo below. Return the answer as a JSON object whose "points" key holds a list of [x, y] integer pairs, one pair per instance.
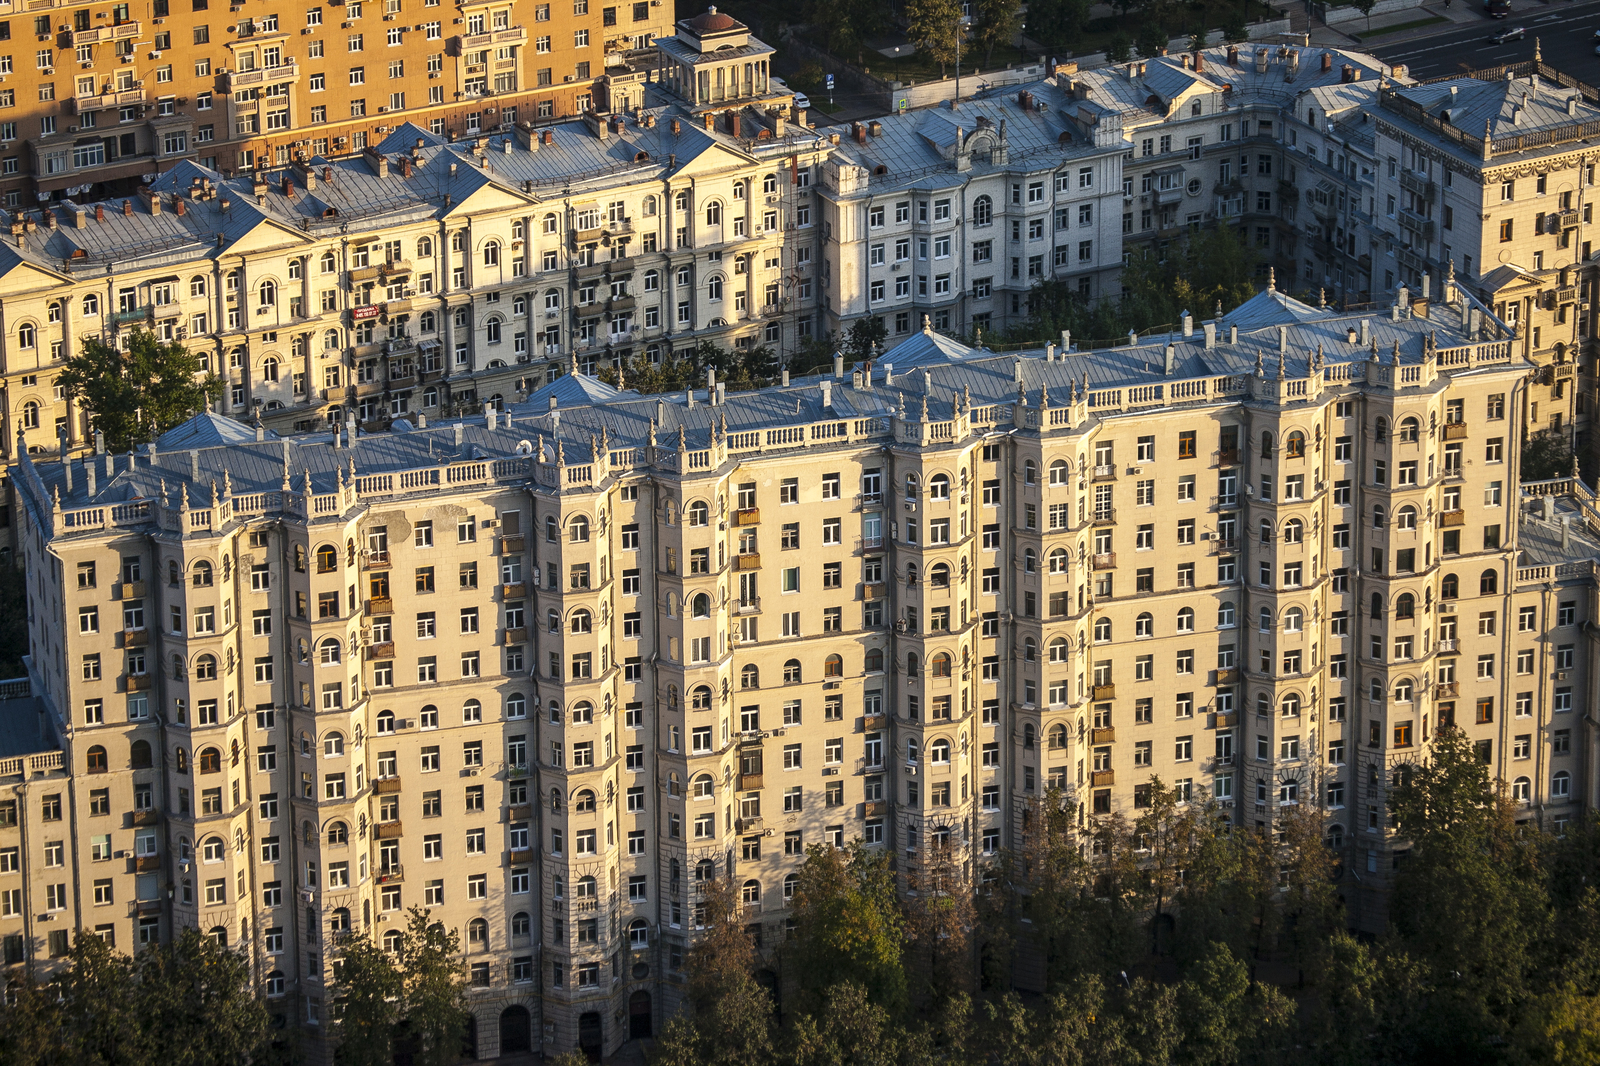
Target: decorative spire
{"points": [[1450, 269], [215, 497], [1281, 356], [978, 337], [902, 402], [683, 440], [1538, 57], [1374, 355], [1022, 395], [1272, 279], [1394, 356], [594, 448], [1318, 363], [966, 397], [1322, 297], [183, 497], [652, 433], [927, 325], [924, 407], [227, 484], [1261, 371], [1044, 397], [561, 452]]}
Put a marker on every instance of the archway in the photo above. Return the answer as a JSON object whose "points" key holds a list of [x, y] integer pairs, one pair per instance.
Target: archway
{"points": [[515, 1030], [591, 1035], [639, 1016]]}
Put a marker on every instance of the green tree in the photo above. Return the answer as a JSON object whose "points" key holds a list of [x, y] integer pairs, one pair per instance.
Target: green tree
{"points": [[862, 339], [847, 924], [939, 920], [933, 25], [1234, 28], [1546, 455], [136, 395], [32, 1021], [998, 23], [13, 620], [1151, 40], [1059, 24], [95, 1000], [435, 989], [1365, 7], [1227, 1019], [368, 987], [1120, 48], [850, 1028], [196, 1003]]}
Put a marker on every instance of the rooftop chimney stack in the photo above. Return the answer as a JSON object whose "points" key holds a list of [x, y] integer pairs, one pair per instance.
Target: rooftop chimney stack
{"points": [[1210, 334], [1188, 324]]}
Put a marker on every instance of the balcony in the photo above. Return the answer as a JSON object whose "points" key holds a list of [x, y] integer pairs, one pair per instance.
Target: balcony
{"points": [[510, 544], [1227, 677], [288, 70], [1104, 516], [747, 516], [88, 103], [1103, 692], [146, 863], [1224, 545], [377, 560], [138, 683], [1226, 456], [1452, 518], [525, 855], [1105, 472], [1455, 431], [1445, 692], [749, 825], [132, 590], [387, 830], [1448, 646], [514, 36], [517, 636], [137, 314], [1416, 183], [514, 591], [120, 32], [1227, 719], [1103, 777], [384, 649], [750, 781], [519, 813], [135, 638], [144, 818], [391, 874], [876, 810], [1104, 561], [380, 605], [1103, 735], [873, 722], [747, 561], [386, 784], [605, 229]]}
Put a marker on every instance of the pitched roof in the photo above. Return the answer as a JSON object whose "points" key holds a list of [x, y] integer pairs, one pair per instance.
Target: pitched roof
{"points": [[208, 430]]}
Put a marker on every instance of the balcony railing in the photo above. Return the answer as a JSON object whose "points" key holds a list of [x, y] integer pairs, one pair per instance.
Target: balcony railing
{"points": [[387, 830], [386, 784], [1452, 518], [747, 516], [1104, 561], [1103, 692], [1103, 735], [747, 561], [1103, 777], [1445, 691], [390, 874], [1455, 431]]}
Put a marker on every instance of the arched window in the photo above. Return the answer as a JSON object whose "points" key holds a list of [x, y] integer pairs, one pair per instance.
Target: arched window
{"points": [[211, 761], [1488, 583], [1186, 620], [392, 941], [790, 883], [338, 834], [491, 330], [911, 487], [1030, 561], [1030, 472], [750, 676], [638, 933], [269, 369], [1266, 445], [385, 722], [578, 530], [424, 247], [1293, 620], [330, 340], [714, 213], [1406, 517], [939, 665], [1521, 790], [1561, 785], [267, 293], [1060, 473], [714, 288], [491, 254], [275, 983], [1294, 445], [200, 575], [1029, 651], [1405, 605], [30, 415], [1293, 531], [1058, 561], [1058, 650], [1377, 606], [750, 894], [1403, 691], [939, 576], [91, 304], [333, 745], [1380, 430], [1377, 516], [212, 849], [1449, 587], [1266, 531], [1027, 737], [913, 665], [939, 487], [833, 666], [139, 755], [700, 606], [1144, 625], [703, 786], [939, 751], [583, 802], [1056, 736], [27, 335], [327, 559], [219, 934], [1225, 615], [1102, 629], [874, 661], [1409, 430], [339, 921], [1264, 619], [700, 698], [96, 762], [699, 513], [982, 211], [328, 651], [791, 671], [1290, 707], [582, 621], [516, 705], [582, 713]]}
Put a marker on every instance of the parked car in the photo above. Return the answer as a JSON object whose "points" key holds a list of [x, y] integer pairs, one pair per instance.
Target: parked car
{"points": [[801, 102], [1497, 9]]}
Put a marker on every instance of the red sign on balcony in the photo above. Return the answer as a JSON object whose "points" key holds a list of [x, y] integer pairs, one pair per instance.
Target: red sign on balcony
{"points": [[369, 311]]}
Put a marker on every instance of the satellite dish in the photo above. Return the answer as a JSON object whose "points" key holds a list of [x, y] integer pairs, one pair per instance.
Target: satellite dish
{"points": [[524, 447]]}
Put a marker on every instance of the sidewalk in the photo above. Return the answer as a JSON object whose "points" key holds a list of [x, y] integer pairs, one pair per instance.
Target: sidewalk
{"points": [[1358, 35]]}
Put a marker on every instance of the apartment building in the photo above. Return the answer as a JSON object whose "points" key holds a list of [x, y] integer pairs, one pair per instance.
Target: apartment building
{"points": [[956, 214], [1490, 177], [421, 277], [1332, 132], [114, 92], [1264, 559]]}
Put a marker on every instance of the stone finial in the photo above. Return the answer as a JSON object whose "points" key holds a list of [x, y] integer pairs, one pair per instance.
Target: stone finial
{"points": [[978, 337], [307, 482], [1272, 279], [1319, 355], [683, 440], [1281, 357], [652, 433], [1322, 297], [183, 497], [1261, 370], [924, 407], [1394, 355], [966, 397], [1022, 395], [927, 325], [1450, 269], [227, 485], [55, 498], [216, 497], [1538, 56], [1044, 397], [561, 452], [594, 448], [1374, 356]]}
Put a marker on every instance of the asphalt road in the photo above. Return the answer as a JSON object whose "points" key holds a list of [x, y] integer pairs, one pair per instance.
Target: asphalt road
{"points": [[1565, 32]]}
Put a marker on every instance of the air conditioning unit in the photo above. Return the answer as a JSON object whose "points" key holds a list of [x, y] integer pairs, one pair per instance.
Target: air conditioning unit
{"points": [[307, 895], [1561, 675]]}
